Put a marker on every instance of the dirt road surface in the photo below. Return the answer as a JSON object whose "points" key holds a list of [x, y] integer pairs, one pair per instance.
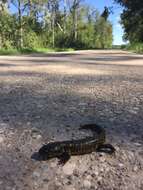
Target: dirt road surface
{"points": [[46, 98]]}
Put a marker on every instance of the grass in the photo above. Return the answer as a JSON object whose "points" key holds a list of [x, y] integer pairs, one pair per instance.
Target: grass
{"points": [[29, 51], [136, 47], [8, 52]]}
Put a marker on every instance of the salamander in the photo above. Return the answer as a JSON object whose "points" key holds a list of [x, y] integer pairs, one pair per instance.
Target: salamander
{"points": [[64, 149]]}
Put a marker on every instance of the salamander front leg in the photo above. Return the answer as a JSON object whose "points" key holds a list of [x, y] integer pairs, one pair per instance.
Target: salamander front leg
{"points": [[64, 158]]}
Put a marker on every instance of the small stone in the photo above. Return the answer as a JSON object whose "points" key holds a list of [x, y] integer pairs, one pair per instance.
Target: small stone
{"points": [[58, 184], [1, 131], [53, 164], [99, 178], [38, 117], [121, 165], [82, 104], [1, 139], [69, 168], [38, 137], [102, 170], [96, 173], [15, 160], [36, 174], [87, 184], [117, 148], [1, 182], [102, 159], [112, 119], [135, 168], [35, 133], [28, 123], [76, 173], [88, 177], [44, 167], [133, 111], [138, 144]]}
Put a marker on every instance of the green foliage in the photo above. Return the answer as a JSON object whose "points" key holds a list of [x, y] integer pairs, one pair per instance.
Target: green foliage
{"points": [[37, 25], [31, 40], [29, 51], [8, 52], [135, 47], [132, 20], [104, 33], [7, 29]]}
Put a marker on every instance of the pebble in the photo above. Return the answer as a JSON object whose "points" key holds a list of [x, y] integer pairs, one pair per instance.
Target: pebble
{"points": [[38, 137], [88, 177], [138, 144], [133, 111], [1, 131], [58, 184], [53, 164], [9, 145], [1, 182], [44, 166], [96, 173], [99, 178], [82, 104], [36, 174], [102, 169], [102, 159], [1, 139], [121, 165], [87, 184], [135, 168], [69, 168]]}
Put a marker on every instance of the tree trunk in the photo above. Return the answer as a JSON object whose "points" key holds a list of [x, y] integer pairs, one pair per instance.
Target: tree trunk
{"points": [[75, 19], [53, 26], [20, 25], [76, 26], [30, 7], [65, 14]]}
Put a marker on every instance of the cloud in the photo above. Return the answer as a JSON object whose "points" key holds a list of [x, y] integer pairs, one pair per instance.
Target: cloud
{"points": [[118, 25], [118, 18]]}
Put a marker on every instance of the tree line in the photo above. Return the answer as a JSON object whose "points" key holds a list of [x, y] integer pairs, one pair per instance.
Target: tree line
{"points": [[53, 23]]}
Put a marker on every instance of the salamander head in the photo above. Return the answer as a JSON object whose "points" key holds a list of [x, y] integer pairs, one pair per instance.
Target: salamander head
{"points": [[50, 150]]}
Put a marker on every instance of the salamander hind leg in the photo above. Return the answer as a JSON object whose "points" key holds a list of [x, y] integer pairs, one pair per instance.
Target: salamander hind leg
{"points": [[64, 158]]}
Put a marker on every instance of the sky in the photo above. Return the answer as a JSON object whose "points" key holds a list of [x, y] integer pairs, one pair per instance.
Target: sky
{"points": [[114, 18]]}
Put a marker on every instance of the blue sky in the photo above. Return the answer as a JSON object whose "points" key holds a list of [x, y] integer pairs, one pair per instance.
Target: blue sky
{"points": [[114, 18]]}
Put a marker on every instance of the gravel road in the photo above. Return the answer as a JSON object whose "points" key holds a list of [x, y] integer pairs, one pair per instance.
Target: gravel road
{"points": [[47, 97]]}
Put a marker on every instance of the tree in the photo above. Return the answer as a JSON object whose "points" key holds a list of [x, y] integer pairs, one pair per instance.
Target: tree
{"points": [[132, 19], [74, 12], [105, 13], [53, 23]]}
